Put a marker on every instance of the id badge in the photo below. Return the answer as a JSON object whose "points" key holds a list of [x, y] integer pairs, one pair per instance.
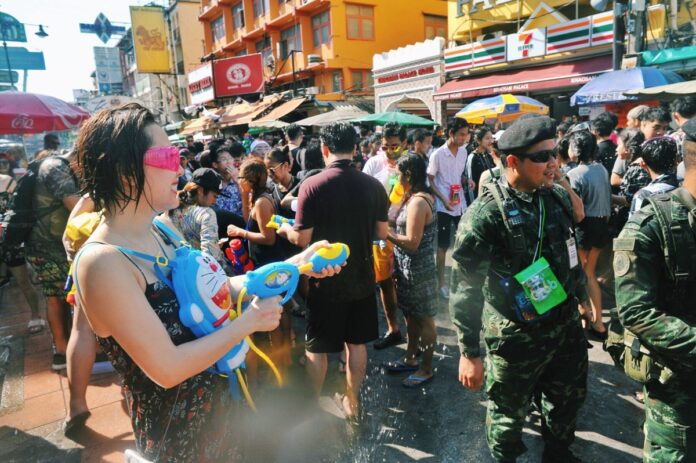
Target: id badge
{"points": [[572, 252], [541, 286]]}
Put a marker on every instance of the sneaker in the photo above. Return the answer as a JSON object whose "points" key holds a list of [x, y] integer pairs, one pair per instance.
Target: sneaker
{"points": [[59, 362], [444, 292], [388, 340]]}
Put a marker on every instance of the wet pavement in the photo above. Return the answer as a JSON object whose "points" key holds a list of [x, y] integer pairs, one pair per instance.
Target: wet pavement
{"points": [[439, 422]]}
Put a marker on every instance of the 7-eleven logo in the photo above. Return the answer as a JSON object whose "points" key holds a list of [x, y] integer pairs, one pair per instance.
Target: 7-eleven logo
{"points": [[525, 43]]}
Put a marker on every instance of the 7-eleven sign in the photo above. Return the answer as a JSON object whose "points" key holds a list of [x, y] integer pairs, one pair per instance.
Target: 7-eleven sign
{"points": [[526, 44]]}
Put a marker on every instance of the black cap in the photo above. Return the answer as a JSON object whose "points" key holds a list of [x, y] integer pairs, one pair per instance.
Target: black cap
{"points": [[689, 129], [208, 179], [523, 133]]}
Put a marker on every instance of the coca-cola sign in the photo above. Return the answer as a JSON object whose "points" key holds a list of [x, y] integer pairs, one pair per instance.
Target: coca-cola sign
{"points": [[22, 122]]}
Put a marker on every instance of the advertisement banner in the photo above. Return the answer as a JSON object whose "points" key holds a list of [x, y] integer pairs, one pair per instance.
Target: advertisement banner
{"points": [[201, 84], [526, 44], [150, 40], [108, 69], [239, 75]]}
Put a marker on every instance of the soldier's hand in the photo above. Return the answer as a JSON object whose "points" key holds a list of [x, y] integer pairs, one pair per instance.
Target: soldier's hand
{"points": [[471, 372], [449, 206]]}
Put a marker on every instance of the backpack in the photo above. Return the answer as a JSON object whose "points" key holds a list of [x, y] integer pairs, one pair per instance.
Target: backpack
{"points": [[21, 215], [679, 240]]}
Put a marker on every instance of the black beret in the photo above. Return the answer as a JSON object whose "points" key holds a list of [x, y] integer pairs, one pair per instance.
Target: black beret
{"points": [[689, 129], [525, 132]]}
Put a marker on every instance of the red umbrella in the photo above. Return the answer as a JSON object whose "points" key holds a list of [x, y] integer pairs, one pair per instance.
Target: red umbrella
{"points": [[33, 113]]}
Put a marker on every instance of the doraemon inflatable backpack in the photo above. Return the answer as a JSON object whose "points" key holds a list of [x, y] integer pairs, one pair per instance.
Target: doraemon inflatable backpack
{"points": [[205, 303]]}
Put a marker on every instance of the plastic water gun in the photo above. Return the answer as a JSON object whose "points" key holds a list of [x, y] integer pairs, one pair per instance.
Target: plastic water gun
{"points": [[70, 288], [397, 193], [277, 221], [246, 142], [238, 256], [381, 243]]}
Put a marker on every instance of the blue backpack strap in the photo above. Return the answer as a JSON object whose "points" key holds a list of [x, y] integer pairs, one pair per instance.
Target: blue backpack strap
{"points": [[175, 240]]}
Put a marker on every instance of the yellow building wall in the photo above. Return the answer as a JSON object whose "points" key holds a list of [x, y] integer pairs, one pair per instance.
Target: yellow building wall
{"points": [[191, 33], [396, 23]]}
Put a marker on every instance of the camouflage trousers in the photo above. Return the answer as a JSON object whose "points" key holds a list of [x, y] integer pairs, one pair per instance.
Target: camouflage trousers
{"points": [[548, 359], [670, 423]]}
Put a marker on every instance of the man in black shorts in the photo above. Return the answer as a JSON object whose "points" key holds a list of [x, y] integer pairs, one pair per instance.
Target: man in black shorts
{"points": [[341, 204]]}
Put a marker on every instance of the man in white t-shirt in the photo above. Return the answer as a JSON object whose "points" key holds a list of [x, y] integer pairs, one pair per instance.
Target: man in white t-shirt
{"points": [[383, 168], [445, 170]]}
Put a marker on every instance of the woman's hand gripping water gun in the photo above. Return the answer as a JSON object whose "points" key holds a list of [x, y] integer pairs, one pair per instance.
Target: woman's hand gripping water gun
{"points": [[320, 260]]}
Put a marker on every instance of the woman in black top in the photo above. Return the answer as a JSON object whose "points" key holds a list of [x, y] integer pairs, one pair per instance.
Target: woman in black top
{"points": [[480, 159], [264, 247]]}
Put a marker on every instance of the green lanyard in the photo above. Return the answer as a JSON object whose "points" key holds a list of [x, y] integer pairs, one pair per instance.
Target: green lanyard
{"points": [[542, 222]]}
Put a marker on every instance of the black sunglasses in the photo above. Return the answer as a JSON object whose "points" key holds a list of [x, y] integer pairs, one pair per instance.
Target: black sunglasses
{"points": [[539, 156]]}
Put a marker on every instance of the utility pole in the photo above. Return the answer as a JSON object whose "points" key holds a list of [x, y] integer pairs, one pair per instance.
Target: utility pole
{"points": [[619, 32]]}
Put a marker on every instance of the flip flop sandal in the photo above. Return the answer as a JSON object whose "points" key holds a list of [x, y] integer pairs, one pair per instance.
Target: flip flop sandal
{"points": [[413, 381], [76, 423], [399, 366], [36, 325], [338, 400]]}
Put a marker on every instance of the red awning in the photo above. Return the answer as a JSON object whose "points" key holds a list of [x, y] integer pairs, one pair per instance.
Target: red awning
{"points": [[572, 74]]}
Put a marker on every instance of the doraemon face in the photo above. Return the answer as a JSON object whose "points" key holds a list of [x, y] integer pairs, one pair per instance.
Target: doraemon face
{"points": [[214, 288], [277, 279]]}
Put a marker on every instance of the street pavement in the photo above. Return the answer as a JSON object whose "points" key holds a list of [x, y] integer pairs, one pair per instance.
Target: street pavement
{"points": [[439, 422]]}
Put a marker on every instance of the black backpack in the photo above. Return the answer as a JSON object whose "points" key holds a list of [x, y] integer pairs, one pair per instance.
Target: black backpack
{"points": [[21, 215]]}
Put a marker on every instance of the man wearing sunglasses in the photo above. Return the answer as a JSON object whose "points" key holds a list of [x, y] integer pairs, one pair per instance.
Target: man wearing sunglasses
{"points": [[516, 275], [383, 168]]}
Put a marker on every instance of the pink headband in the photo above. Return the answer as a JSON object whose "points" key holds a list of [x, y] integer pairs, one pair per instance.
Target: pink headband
{"points": [[163, 157]]}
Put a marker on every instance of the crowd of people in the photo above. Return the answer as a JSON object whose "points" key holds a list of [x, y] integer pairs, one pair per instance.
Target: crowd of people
{"points": [[539, 204]]}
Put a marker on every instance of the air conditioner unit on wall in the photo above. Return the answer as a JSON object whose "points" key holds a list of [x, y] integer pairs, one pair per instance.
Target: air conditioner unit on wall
{"points": [[312, 91]]}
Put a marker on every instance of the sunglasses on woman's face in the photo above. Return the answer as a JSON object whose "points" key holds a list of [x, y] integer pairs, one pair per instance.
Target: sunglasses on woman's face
{"points": [[163, 157]]}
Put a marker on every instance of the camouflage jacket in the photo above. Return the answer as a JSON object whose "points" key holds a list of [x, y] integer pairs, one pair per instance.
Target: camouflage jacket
{"points": [[483, 257], [646, 296]]}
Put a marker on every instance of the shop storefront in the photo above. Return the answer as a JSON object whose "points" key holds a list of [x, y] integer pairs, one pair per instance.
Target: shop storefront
{"points": [[407, 78]]}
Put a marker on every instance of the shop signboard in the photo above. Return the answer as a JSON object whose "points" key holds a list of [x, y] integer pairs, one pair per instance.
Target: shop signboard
{"points": [[527, 44], [409, 74], [201, 84], [602, 29], [108, 69], [239, 75], [483, 53], [571, 35]]}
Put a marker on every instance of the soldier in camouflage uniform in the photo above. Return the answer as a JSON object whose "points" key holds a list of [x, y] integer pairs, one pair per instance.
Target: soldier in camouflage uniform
{"points": [[527, 353], [655, 267]]}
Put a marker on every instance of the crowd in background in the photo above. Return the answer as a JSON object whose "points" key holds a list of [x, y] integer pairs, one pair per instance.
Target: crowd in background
{"points": [[229, 189]]}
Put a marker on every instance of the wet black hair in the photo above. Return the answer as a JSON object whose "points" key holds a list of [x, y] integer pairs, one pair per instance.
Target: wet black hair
{"points": [[562, 149], [657, 114], [236, 150], [279, 155], [583, 143], [197, 147], [293, 131], [110, 149], [419, 135], [632, 140], [339, 138], [685, 106], [603, 125], [313, 158], [412, 167], [481, 132], [392, 129], [365, 143], [660, 154], [455, 124], [562, 127]]}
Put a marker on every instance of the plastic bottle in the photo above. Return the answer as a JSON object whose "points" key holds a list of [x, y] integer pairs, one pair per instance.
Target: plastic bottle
{"points": [[237, 254]]}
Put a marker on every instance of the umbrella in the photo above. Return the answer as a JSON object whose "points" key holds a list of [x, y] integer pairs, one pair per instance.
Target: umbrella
{"points": [[33, 113], [610, 86], [395, 116], [341, 114], [269, 124], [504, 108], [681, 88]]}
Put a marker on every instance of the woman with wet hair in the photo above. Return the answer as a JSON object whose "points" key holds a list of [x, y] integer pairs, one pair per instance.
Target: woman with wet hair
{"points": [[179, 410], [416, 275], [590, 180]]}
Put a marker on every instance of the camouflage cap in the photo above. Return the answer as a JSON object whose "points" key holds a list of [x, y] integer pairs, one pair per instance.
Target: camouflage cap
{"points": [[525, 132]]}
